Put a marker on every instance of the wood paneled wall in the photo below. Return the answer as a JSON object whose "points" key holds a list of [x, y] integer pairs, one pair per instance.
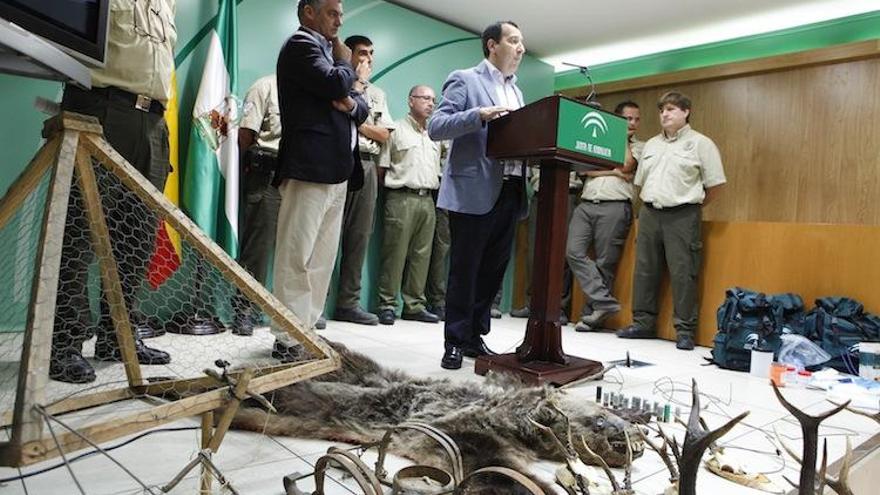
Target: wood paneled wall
{"points": [[801, 145], [813, 260], [801, 210]]}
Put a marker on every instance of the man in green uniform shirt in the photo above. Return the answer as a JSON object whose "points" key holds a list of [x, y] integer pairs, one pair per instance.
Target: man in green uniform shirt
{"points": [[679, 173], [410, 180]]}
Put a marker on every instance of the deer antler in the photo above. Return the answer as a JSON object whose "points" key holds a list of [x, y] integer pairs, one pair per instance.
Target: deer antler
{"points": [[874, 416], [663, 452], [840, 484], [572, 460], [615, 486], [810, 430], [696, 440]]}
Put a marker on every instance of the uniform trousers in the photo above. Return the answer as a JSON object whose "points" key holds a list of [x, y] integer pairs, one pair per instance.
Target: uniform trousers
{"points": [[604, 226], [406, 249], [142, 139], [309, 222], [438, 272], [357, 226], [670, 237]]}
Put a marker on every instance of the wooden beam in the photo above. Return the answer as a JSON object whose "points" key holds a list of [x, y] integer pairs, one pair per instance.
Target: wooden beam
{"points": [[110, 277], [72, 121], [238, 394], [280, 314], [207, 435], [78, 402], [28, 180], [831, 55], [37, 344], [104, 430]]}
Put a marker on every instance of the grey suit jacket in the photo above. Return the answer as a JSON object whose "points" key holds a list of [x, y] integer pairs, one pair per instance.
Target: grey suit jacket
{"points": [[471, 181]]}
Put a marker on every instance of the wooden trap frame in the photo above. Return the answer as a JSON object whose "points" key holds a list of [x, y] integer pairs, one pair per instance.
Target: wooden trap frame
{"points": [[73, 142]]}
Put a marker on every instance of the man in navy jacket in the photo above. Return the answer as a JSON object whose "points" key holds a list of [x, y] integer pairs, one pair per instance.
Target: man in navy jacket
{"points": [[320, 95]]}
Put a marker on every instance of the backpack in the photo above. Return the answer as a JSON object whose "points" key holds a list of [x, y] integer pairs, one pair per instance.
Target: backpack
{"points": [[838, 324], [745, 319]]}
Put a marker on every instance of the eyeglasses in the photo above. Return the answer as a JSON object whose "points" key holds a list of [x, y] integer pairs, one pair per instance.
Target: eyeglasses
{"points": [[424, 98]]}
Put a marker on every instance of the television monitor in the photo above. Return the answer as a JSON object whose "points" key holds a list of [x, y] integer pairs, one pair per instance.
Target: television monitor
{"points": [[77, 26]]}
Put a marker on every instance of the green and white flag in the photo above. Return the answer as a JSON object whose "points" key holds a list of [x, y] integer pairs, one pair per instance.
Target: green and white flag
{"points": [[211, 176]]}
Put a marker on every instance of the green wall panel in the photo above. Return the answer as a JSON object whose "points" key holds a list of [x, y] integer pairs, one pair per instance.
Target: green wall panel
{"points": [[809, 37]]}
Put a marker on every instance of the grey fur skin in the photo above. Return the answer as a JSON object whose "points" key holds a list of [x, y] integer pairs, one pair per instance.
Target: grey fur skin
{"points": [[357, 403]]}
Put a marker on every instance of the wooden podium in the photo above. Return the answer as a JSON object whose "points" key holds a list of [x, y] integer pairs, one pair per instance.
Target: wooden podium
{"points": [[561, 135]]}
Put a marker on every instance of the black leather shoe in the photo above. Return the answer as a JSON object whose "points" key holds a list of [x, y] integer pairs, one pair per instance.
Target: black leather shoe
{"points": [[522, 312], [451, 358], [440, 311], [684, 342], [109, 351], [356, 315], [386, 316], [478, 349], [71, 367], [243, 325], [634, 332], [146, 327], [287, 354], [423, 316]]}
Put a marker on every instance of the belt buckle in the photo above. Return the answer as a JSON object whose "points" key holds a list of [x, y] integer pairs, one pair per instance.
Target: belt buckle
{"points": [[595, 201], [143, 103]]}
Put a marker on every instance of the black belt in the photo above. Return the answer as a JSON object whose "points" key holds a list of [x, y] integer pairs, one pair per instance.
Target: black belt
{"points": [[368, 157], [672, 208], [140, 102], [514, 179], [597, 201], [418, 192]]}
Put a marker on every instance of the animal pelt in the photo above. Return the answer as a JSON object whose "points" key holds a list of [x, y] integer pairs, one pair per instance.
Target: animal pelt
{"points": [[489, 420]]}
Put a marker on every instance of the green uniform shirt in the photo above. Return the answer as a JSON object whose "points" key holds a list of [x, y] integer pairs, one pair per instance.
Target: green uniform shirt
{"points": [[379, 115], [261, 114], [677, 170], [140, 48], [611, 188], [414, 158]]}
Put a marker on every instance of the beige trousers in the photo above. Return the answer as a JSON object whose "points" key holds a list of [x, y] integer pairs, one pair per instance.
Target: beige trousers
{"points": [[309, 222]]}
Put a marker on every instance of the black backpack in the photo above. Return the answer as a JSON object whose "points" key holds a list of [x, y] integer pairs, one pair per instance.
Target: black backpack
{"points": [[838, 324], [747, 319]]}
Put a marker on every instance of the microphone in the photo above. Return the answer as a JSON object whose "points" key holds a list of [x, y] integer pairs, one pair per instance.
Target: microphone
{"points": [[585, 71]]}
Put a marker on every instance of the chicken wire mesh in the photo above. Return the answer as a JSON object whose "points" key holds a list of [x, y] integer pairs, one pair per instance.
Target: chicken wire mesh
{"points": [[117, 262]]}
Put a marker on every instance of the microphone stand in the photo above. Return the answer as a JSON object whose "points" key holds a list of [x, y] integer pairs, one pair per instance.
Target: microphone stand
{"points": [[591, 98]]}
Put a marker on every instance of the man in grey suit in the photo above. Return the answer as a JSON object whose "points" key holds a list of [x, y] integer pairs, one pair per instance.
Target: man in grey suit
{"points": [[484, 197]]}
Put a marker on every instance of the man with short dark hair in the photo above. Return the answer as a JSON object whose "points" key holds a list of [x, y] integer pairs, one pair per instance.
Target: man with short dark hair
{"points": [[602, 220], [484, 197], [679, 173], [410, 179], [321, 102], [360, 205]]}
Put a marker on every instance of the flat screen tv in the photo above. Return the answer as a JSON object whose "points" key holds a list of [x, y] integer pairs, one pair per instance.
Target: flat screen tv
{"points": [[77, 26]]}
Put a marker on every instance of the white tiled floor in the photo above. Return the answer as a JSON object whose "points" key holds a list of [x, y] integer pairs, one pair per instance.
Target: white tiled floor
{"points": [[256, 463]]}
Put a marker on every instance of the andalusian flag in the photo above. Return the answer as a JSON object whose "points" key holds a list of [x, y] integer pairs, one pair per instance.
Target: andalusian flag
{"points": [[210, 189], [166, 256]]}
